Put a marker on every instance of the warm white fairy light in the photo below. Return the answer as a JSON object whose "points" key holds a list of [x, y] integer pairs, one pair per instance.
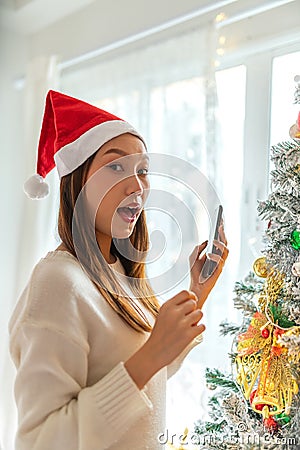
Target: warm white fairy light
{"points": [[220, 17]]}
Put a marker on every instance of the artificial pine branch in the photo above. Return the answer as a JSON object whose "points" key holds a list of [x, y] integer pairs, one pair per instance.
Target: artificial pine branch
{"points": [[228, 328], [246, 305], [215, 378], [232, 356]]}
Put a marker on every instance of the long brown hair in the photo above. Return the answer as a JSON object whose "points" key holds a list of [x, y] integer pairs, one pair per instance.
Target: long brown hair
{"points": [[95, 264]]}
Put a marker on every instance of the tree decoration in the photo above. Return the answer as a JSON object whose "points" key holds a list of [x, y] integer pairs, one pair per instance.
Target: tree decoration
{"points": [[296, 269], [265, 333], [262, 361], [295, 239], [260, 267]]}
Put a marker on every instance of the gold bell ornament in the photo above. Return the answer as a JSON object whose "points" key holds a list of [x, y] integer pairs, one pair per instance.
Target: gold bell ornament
{"points": [[263, 370]]}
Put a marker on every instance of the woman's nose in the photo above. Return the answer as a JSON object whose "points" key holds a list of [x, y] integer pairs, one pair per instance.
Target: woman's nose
{"points": [[134, 184]]}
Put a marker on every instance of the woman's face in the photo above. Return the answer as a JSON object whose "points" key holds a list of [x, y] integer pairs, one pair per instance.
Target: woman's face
{"points": [[117, 185]]}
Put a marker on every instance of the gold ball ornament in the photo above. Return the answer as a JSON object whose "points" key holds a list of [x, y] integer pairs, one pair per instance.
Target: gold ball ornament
{"points": [[260, 267]]}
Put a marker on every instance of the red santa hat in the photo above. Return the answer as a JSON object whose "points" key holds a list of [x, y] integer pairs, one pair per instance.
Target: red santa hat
{"points": [[72, 131]]}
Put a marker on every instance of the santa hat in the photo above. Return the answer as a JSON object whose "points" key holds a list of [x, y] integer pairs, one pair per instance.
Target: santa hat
{"points": [[72, 131]]}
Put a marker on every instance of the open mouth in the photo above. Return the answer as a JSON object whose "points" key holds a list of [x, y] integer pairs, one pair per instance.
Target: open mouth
{"points": [[128, 214]]}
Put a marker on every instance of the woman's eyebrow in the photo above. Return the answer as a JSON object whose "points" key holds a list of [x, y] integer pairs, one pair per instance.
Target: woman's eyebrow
{"points": [[115, 150], [123, 153]]}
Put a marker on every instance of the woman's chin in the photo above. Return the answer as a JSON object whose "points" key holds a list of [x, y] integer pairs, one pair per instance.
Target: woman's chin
{"points": [[122, 232]]}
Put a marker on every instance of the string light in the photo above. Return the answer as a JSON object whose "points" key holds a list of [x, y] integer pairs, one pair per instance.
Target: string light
{"points": [[220, 17], [220, 51]]}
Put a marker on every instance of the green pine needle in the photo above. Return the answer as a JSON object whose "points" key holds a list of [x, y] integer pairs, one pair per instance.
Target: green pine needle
{"points": [[216, 378], [279, 318], [228, 328], [215, 427]]}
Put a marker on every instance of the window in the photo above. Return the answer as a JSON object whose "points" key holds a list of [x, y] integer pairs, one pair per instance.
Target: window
{"points": [[283, 109], [187, 391]]}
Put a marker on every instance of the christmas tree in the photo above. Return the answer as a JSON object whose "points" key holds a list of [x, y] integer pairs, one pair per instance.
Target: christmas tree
{"points": [[257, 406]]}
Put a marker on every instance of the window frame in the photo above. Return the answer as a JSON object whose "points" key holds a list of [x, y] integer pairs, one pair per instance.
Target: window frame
{"points": [[256, 149]]}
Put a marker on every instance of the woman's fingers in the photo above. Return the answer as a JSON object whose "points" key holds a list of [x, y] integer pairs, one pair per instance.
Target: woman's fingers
{"points": [[217, 258], [186, 303], [197, 329], [183, 296], [222, 247], [188, 306], [219, 266], [222, 234], [196, 252], [196, 315]]}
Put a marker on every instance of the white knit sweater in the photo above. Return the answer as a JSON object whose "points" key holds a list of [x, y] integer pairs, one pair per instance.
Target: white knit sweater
{"points": [[69, 346]]}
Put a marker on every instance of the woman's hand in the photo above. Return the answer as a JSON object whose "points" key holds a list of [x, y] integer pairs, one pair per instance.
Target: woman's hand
{"points": [[175, 327], [200, 287]]}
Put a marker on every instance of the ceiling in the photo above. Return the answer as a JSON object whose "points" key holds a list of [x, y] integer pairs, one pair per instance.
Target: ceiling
{"points": [[14, 4], [31, 16]]}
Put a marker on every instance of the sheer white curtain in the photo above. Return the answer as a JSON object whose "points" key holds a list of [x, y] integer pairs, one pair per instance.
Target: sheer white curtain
{"points": [[36, 227], [38, 216], [167, 90]]}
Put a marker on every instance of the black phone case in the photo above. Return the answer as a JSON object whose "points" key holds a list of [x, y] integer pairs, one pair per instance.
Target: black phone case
{"points": [[210, 265]]}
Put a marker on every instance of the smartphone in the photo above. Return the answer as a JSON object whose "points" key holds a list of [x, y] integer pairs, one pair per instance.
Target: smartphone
{"points": [[209, 265]]}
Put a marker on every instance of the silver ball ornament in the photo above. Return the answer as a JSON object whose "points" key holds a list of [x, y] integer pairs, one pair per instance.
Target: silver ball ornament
{"points": [[296, 269]]}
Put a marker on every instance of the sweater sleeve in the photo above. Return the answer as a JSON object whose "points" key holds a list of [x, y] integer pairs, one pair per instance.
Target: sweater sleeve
{"points": [[56, 409]]}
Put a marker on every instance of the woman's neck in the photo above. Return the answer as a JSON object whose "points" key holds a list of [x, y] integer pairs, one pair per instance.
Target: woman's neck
{"points": [[104, 245]]}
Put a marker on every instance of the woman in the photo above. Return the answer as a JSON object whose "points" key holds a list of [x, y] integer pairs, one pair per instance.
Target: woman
{"points": [[92, 346]]}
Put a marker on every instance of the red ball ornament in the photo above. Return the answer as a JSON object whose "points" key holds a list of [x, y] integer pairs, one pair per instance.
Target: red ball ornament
{"points": [[271, 423], [259, 406], [265, 333]]}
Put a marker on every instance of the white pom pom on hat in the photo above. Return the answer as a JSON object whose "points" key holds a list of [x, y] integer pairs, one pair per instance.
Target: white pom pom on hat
{"points": [[72, 131], [36, 187]]}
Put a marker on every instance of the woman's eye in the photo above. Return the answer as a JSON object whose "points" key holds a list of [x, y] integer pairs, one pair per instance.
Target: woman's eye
{"points": [[116, 167], [144, 171]]}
